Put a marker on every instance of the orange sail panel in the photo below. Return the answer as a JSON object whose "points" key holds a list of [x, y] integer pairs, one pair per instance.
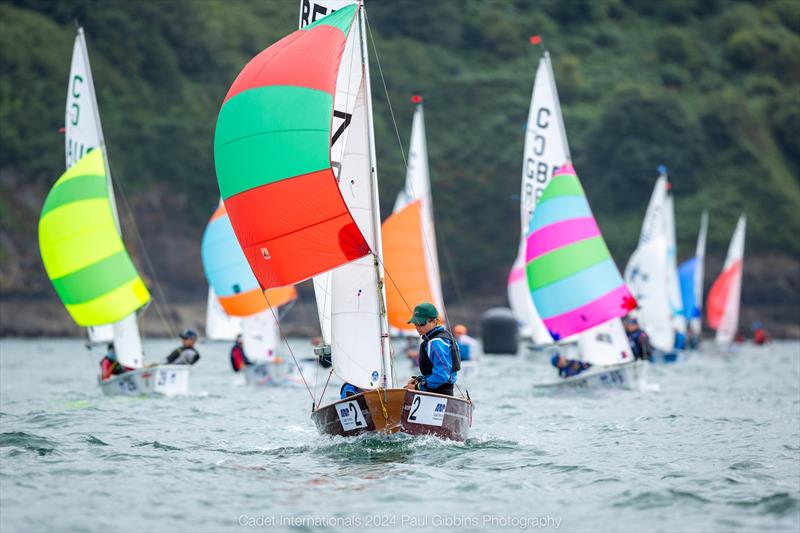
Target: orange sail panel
{"points": [[404, 263], [272, 154], [719, 294]]}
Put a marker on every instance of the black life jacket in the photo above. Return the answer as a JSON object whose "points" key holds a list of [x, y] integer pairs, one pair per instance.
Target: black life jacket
{"points": [[425, 363]]}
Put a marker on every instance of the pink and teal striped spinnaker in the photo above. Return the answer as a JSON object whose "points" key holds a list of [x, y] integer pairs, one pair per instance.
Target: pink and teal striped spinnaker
{"points": [[573, 280]]}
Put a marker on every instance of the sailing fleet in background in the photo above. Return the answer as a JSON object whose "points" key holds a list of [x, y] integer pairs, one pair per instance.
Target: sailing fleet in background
{"points": [[297, 172]]}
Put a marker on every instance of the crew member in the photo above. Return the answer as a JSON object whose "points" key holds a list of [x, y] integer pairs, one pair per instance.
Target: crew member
{"points": [[238, 358], [568, 367], [638, 339], [109, 366], [439, 361], [185, 354]]}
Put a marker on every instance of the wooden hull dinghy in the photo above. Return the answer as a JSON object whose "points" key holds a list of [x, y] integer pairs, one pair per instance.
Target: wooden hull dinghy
{"points": [[627, 376], [165, 380], [396, 411]]}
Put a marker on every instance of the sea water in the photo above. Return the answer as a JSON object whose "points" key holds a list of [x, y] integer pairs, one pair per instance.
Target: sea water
{"points": [[716, 448]]}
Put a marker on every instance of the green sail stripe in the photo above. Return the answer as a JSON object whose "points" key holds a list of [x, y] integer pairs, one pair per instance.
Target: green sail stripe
{"points": [[84, 187], [565, 261], [270, 133], [96, 280], [562, 185], [342, 19]]}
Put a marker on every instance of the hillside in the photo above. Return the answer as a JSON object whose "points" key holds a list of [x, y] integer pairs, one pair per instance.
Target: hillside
{"points": [[711, 88]]}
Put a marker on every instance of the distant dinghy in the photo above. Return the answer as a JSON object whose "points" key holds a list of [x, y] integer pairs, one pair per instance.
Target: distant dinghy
{"points": [[722, 309], [241, 297], [81, 243], [575, 284], [546, 148], [300, 187]]}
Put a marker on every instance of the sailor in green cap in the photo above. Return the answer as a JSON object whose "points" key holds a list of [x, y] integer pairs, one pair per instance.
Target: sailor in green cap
{"points": [[439, 361]]}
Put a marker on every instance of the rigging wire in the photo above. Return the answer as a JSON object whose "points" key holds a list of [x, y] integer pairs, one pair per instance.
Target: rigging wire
{"points": [[156, 283], [425, 238], [289, 346]]}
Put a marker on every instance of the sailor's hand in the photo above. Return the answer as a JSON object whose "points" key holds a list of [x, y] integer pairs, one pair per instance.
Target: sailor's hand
{"points": [[411, 385]]}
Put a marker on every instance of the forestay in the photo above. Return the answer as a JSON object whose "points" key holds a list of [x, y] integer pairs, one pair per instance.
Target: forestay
{"points": [[546, 149], [409, 238], [574, 282], [725, 295]]}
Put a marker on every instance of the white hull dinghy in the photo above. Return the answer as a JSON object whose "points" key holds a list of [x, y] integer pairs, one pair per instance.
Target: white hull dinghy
{"points": [[272, 374], [165, 380], [625, 376]]}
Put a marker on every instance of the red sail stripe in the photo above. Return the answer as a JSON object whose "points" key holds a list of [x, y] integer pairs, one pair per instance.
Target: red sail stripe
{"points": [[304, 211], [305, 58]]}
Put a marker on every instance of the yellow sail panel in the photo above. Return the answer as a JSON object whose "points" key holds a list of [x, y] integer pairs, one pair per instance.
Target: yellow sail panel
{"points": [[82, 251], [404, 261]]}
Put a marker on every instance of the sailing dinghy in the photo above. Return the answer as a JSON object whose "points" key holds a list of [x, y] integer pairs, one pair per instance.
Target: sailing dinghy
{"points": [[724, 297], [576, 286], [545, 150], [652, 276], [240, 296], [296, 168], [82, 248]]}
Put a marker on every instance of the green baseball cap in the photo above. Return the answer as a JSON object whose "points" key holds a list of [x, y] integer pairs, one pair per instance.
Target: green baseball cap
{"points": [[422, 313]]}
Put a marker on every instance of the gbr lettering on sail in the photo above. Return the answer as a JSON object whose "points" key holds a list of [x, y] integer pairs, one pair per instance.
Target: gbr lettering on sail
{"points": [[546, 147]]}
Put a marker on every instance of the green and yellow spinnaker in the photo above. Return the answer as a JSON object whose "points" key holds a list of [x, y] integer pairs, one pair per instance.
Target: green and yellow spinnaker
{"points": [[82, 251]]}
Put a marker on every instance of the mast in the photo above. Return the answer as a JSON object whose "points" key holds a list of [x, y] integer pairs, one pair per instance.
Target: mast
{"points": [[376, 213], [96, 111], [557, 101]]}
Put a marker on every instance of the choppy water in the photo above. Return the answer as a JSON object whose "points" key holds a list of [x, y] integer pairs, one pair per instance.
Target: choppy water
{"points": [[717, 449]]}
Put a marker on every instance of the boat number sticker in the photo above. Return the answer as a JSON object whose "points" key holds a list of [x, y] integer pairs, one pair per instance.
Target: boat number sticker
{"points": [[350, 416], [428, 410]]}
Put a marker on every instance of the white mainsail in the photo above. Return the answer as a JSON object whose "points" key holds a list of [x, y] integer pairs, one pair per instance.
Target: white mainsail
{"points": [[83, 132], [546, 149], [726, 332], [220, 326], [606, 344], [673, 281], [696, 324], [358, 327], [646, 276], [260, 336]]}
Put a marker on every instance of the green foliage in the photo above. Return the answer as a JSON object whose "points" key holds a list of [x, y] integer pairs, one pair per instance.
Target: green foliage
{"points": [[707, 87]]}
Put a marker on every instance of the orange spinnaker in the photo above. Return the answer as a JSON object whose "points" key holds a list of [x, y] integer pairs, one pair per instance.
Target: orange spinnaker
{"points": [[719, 293], [404, 262]]}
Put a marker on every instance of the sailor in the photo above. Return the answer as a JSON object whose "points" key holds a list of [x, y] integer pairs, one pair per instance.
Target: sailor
{"points": [[348, 390], [638, 339], [109, 366], [568, 367], [185, 354], [467, 346], [238, 358], [439, 361], [759, 333]]}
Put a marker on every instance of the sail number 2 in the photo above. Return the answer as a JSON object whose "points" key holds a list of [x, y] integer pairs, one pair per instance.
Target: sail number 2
{"points": [[350, 416]]}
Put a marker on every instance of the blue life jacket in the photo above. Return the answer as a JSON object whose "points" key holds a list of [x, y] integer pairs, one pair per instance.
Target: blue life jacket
{"points": [[348, 390]]}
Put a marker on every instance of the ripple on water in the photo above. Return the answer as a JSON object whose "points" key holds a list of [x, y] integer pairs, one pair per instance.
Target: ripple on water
{"points": [[778, 504], [20, 441]]}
